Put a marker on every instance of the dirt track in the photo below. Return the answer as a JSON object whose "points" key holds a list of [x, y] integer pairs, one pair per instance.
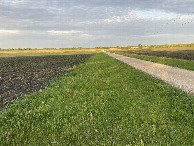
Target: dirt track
{"points": [[181, 78]]}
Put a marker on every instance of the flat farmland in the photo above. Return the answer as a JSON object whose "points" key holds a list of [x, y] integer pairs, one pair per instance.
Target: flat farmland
{"points": [[180, 54], [177, 58], [101, 102], [42, 52], [21, 76], [172, 48]]}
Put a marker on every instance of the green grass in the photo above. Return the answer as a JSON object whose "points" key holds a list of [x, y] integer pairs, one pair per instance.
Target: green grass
{"points": [[101, 102], [180, 63]]}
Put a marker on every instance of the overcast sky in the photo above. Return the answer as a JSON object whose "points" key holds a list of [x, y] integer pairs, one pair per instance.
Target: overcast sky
{"points": [[92, 23]]}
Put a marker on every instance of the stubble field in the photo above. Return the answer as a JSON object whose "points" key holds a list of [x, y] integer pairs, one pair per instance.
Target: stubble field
{"points": [[43, 52]]}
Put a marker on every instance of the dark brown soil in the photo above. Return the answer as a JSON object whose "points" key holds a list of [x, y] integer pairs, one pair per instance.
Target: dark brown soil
{"points": [[21, 76]]}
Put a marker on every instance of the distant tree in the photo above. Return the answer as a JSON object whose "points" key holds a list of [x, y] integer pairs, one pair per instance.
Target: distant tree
{"points": [[140, 46], [151, 47]]}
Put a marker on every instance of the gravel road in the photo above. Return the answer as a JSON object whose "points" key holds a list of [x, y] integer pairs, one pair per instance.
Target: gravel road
{"points": [[181, 78]]}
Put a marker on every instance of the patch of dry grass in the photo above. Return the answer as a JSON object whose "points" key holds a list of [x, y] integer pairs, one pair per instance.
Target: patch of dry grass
{"points": [[17, 53], [173, 49]]}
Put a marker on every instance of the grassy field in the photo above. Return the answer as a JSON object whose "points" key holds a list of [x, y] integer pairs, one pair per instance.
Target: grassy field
{"points": [[180, 59], [101, 102]]}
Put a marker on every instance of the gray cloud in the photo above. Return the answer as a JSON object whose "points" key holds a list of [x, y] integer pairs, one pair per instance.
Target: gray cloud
{"points": [[71, 23]]}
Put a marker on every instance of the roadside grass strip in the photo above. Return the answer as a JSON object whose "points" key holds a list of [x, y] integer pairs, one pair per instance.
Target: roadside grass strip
{"points": [[101, 102], [180, 63]]}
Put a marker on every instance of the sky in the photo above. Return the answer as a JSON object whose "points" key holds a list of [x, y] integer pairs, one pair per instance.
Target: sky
{"points": [[95, 23]]}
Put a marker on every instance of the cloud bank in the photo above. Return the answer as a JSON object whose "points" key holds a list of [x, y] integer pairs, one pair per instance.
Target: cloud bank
{"points": [[90, 23]]}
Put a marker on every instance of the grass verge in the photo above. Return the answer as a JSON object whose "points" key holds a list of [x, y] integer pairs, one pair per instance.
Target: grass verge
{"points": [[101, 102], [180, 63]]}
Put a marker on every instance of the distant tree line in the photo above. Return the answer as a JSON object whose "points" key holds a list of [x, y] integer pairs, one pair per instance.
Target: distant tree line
{"points": [[172, 45], [140, 46]]}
